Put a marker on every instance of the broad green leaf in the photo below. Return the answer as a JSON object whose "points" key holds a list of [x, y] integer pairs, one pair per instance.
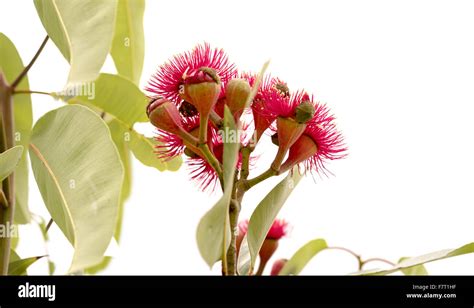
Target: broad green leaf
{"points": [[417, 270], [9, 160], [99, 267], [19, 266], [213, 232], [120, 138], [14, 256], [416, 261], [301, 258], [80, 175], [12, 65], [143, 149], [262, 219], [83, 32], [128, 45], [117, 96]]}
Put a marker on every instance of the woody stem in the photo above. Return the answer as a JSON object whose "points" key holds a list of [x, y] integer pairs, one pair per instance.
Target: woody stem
{"points": [[7, 128]]}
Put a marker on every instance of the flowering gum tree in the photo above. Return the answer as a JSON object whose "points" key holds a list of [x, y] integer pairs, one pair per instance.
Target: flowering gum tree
{"points": [[196, 94]]}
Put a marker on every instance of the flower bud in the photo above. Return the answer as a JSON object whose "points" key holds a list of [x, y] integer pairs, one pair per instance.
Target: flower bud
{"points": [[164, 115], [278, 266], [304, 112], [301, 150], [237, 92], [202, 89], [269, 247]]}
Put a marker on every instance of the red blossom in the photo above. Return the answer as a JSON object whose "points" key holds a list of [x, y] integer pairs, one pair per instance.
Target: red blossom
{"points": [[170, 76], [322, 130], [278, 229]]}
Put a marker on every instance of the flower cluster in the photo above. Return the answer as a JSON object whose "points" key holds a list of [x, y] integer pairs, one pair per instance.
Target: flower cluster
{"points": [[189, 94]]}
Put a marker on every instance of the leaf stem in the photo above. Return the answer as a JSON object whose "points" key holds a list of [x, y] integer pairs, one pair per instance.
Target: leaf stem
{"points": [[216, 119], [27, 68], [377, 260], [262, 177], [50, 222], [31, 92], [361, 261]]}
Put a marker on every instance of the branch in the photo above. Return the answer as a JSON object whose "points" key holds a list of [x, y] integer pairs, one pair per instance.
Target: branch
{"points": [[377, 260], [7, 129], [50, 222], [27, 68], [247, 184]]}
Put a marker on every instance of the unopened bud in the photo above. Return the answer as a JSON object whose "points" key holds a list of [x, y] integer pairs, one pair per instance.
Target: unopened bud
{"points": [[269, 247], [202, 89], [164, 115], [278, 266], [304, 112], [237, 92]]}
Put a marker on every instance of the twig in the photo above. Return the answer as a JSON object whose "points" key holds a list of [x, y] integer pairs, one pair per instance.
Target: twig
{"points": [[27, 68]]}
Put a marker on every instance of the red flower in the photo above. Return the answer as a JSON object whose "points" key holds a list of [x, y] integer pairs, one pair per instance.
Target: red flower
{"points": [[269, 89], [170, 76], [319, 143], [278, 229]]}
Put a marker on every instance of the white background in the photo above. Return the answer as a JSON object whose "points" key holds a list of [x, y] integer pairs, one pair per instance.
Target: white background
{"points": [[399, 76]]}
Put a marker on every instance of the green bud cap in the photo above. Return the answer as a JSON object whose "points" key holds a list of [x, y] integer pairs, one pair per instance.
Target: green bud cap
{"points": [[304, 112]]}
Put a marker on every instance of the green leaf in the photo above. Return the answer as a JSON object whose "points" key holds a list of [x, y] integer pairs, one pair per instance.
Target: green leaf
{"points": [[128, 46], [301, 258], [80, 175], [12, 65], [143, 149], [119, 135], [417, 270], [262, 219], [9, 160], [83, 32], [99, 267], [117, 96], [416, 261], [17, 266], [213, 232], [257, 82]]}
